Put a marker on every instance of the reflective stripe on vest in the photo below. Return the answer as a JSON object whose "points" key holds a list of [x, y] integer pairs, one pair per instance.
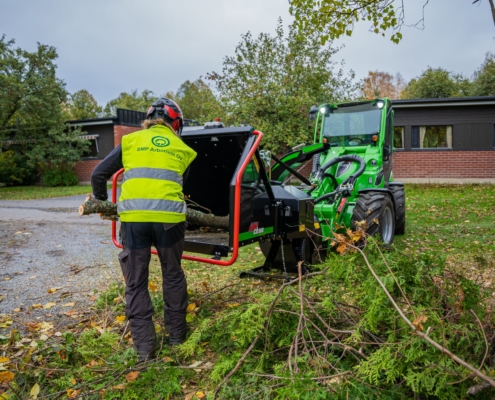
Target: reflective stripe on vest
{"points": [[153, 173], [152, 205]]}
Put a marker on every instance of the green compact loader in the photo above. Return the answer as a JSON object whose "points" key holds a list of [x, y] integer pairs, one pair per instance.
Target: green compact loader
{"points": [[351, 179]]}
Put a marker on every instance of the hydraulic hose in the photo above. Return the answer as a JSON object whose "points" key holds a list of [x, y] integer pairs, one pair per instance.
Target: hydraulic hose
{"points": [[324, 197], [348, 158]]}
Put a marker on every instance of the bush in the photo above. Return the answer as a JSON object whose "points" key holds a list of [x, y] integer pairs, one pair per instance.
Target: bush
{"points": [[14, 169], [62, 176]]}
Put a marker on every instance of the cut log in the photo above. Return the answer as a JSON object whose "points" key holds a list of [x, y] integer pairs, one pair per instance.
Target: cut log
{"points": [[108, 210]]}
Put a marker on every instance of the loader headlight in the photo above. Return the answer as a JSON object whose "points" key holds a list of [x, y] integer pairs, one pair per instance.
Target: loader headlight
{"points": [[380, 104], [323, 110]]}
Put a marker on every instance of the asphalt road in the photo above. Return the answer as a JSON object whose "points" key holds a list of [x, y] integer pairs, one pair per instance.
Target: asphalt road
{"points": [[45, 244]]}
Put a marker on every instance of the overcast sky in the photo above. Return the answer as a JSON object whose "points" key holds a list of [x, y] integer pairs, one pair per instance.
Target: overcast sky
{"points": [[111, 46]]}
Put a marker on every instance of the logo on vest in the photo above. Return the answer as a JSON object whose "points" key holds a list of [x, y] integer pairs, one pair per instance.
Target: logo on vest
{"points": [[160, 141]]}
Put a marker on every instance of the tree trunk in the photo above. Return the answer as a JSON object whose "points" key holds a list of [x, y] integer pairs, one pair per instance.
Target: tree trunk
{"points": [[108, 210]]}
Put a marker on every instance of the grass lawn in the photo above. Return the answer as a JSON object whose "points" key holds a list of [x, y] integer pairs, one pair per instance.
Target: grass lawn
{"points": [[445, 264], [41, 192]]}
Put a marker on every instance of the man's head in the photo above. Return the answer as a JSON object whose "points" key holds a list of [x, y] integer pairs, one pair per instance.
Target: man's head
{"points": [[167, 110]]}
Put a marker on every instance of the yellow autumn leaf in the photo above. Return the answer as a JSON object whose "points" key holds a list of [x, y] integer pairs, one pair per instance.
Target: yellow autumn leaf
{"points": [[52, 290], [6, 376], [191, 307], [116, 300], [72, 394], [49, 305], [35, 391], [200, 395], [4, 360], [120, 318], [37, 305], [152, 286]]}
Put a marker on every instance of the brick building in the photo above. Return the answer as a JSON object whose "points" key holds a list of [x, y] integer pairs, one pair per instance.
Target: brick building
{"points": [[445, 140], [105, 134]]}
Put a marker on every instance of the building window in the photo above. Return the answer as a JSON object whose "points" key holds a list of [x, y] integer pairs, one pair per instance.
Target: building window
{"points": [[431, 137], [93, 150], [399, 137]]}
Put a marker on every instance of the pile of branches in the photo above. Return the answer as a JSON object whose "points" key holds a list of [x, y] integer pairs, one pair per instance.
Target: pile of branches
{"points": [[372, 325]]}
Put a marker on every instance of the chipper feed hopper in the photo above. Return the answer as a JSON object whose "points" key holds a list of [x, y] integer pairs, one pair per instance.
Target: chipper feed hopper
{"points": [[232, 177]]}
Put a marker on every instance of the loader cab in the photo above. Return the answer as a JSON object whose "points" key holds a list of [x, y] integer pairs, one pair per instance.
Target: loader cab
{"points": [[352, 124]]}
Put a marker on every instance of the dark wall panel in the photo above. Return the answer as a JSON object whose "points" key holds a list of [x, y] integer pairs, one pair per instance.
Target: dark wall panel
{"points": [[472, 126], [473, 136], [105, 137]]}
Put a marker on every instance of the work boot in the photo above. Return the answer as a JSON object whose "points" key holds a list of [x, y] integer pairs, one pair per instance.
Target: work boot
{"points": [[176, 339]]}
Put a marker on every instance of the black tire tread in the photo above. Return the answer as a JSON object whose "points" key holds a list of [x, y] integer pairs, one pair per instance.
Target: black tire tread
{"points": [[400, 208], [369, 207]]}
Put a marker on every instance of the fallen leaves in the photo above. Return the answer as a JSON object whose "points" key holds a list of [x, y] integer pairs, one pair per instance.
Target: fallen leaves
{"points": [[6, 376], [418, 322], [152, 286], [191, 307], [35, 391], [49, 305], [72, 394], [132, 376], [120, 318]]}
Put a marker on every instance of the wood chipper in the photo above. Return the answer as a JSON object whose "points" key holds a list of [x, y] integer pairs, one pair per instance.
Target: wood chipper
{"points": [[351, 181]]}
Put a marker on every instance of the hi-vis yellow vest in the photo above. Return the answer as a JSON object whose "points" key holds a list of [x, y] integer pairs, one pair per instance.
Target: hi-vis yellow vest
{"points": [[154, 161]]}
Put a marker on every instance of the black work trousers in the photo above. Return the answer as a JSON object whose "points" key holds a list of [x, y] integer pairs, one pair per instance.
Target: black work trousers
{"points": [[137, 239]]}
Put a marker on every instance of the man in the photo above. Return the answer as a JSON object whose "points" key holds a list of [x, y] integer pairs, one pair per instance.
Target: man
{"points": [[152, 211]]}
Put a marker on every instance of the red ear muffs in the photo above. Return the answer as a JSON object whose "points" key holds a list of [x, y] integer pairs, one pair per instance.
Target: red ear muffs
{"points": [[176, 125]]}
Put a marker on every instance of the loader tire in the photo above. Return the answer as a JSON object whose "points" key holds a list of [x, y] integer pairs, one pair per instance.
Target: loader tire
{"points": [[377, 209], [400, 208]]}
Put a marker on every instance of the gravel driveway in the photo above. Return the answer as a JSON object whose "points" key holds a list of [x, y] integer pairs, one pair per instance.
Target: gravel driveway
{"points": [[45, 244]]}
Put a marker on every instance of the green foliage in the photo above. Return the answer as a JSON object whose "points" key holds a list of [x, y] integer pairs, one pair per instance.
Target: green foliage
{"points": [[197, 101], [92, 345], [130, 101], [111, 297], [335, 18], [14, 169], [82, 105], [30, 93], [58, 149], [31, 112], [272, 81], [158, 382], [437, 83], [61, 176], [484, 77], [394, 363]]}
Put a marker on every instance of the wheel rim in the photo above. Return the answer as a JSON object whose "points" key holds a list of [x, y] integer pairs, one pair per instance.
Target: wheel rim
{"points": [[387, 225]]}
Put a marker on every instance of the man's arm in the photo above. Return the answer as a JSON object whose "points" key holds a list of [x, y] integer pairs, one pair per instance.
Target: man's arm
{"points": [[104, 170]]}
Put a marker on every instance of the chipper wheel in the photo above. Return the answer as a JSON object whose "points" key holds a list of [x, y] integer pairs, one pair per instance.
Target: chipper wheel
{"points": [[400, 208], [377, 209]]}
